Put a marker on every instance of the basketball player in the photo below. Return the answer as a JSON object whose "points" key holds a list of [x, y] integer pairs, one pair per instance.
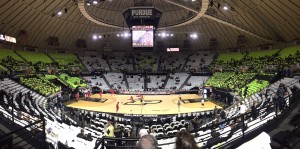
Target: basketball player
{"points": [[101, 92], [77, 97], [117, 107], [179, 97], [202, 101], [88, 94], [85, 94], [112, 91], [131, 98], [142, 98], [178, 104]]}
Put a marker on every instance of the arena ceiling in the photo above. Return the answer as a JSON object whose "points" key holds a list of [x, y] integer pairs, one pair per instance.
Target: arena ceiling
{"points": [[261, 21]]}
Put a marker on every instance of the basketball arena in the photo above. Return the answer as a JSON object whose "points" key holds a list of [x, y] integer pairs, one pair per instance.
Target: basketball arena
{"points": [[149, 74]]}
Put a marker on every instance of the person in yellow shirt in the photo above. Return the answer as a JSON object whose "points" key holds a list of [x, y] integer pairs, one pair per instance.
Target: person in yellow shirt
{"points": [[109, 131]]}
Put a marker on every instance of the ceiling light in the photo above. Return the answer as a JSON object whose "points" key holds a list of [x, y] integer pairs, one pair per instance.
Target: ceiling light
{"points": [[172, 35], [94, 37], [163, 34], [99, 36], [126, 35], [59, 13], [225, 8], [95, 2], [88, 3], [194, 35], [118, 35], [158, 34]]}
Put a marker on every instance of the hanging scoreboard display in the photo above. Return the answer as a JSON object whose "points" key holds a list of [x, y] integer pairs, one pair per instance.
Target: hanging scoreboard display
{"points": [[142, 36], [142, 22]]}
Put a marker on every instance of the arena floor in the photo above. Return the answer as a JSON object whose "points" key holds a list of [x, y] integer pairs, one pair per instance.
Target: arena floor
{"points": [[152, 104]]}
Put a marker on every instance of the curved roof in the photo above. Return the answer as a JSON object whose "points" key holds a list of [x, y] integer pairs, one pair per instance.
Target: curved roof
{"points": [[261, 21]]}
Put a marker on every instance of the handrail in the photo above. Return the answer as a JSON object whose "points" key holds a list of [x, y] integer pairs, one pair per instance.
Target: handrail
{"points": [[10, 133]]}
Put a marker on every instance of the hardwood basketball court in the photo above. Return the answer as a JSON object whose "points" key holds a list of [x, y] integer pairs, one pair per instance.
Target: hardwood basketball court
{"points": [[151, 105]]}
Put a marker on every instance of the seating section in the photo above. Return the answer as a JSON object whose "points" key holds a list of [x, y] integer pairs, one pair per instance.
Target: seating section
{"points": [[227, 57], [96, 81], [228, 61], [254, 87], [195, 81], [261, 62], [135, 82], [198, 61], [229, 80], [120, 61], [66, 60], [289, 56], [2, 68], [72, 81], [176, 80], [146, 61], [173, 61], [156, 82], [49, 77], [259, 54], [40, 85], [290, 51], [10, 60], [35, 57], [58, 127], [116, 80], [4, 53], [93, 62]]}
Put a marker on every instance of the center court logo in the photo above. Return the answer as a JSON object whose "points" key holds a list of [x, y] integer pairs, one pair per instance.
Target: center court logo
{"points": [[145, 102]]}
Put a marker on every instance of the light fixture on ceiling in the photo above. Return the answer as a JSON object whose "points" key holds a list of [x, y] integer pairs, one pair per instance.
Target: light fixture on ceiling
{"points": [[95, 37], [165, 35], [225, 7], [95, 2], [59, 13], [99, 36], [194, 35], [124, 35], [88, 3]]}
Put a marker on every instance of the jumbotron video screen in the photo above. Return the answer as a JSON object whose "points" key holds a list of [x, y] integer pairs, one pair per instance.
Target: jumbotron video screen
{"points": [[142, 36]]}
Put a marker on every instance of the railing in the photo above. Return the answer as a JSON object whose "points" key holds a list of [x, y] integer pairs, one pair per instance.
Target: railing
{"points": [[266, 119], [30, 135]]}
